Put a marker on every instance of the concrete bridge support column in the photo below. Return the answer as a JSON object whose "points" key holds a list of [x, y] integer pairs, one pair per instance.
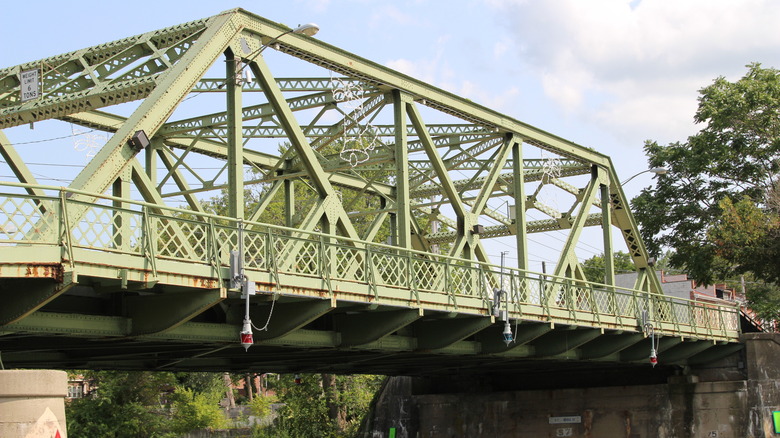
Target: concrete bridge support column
{"points": [[32, 403], [762, 353], [732, 397]]}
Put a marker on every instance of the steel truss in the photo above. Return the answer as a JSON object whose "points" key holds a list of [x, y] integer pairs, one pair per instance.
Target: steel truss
{"points": [[364, 186]]}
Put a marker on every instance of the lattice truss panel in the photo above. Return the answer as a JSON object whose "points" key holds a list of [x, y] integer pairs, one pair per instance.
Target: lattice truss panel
{"points": [[298, 133]]}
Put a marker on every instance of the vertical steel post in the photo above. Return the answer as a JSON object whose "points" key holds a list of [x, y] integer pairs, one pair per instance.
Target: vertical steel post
{"points": [[121, 226], [606, 228], [402, 201], [518, 186], [235, 158], [289, 202]]}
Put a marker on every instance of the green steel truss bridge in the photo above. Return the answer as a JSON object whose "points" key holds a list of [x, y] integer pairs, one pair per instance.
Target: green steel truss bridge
{"points": [[359, 204]]}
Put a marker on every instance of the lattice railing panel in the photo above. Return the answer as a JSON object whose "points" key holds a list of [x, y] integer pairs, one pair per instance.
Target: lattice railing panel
{"points": [[603, 301], [182, 239], [256, 250], [349, 263], [307, 258], [392, 268], [197, 239], [429, 274], [109, 228], [23, 219], [464, 280]]}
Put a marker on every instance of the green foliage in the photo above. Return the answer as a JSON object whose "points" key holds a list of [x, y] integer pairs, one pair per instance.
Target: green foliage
{"points": [[261, 406], [125, 404], [594, 267], [270, 432], [146, 404], [304, 412], [202, 381], [313, 410], [747, 237], [717, 207], [193, 410], [735, 155], [764, 299]]}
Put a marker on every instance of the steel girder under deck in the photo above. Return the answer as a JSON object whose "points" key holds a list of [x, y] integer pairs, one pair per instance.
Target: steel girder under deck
{"points": [[364, 231]]}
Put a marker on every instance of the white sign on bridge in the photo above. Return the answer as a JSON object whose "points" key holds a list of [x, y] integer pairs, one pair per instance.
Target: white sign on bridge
{"points": [[570, 419], [31, 88]]}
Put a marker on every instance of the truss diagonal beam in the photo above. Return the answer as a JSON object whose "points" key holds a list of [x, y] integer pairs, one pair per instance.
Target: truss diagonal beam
{"points": [[492, 178], [568, 259], [291, 127], [436, 162], [156, 108], [17, 165], [320, 53], [109, 74]]}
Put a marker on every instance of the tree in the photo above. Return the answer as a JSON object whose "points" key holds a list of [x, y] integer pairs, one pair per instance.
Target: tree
{"points": [[717, 207], [148, 404], [195, 410], [311, 402], [124, 404], [594, 266]]}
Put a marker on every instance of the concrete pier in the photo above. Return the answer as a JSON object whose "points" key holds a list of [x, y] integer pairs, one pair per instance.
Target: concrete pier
{"points": [[733, 397], [32, 403]]}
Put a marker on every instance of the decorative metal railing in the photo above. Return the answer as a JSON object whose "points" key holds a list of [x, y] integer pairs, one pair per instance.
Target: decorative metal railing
{"points": [[75, 221]]}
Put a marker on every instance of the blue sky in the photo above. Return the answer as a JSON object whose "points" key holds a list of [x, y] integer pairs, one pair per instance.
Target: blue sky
{"points": [[607, 74]]}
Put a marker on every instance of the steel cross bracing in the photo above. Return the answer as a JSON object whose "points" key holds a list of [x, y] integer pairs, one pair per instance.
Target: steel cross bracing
{"points": [[367, 199]]}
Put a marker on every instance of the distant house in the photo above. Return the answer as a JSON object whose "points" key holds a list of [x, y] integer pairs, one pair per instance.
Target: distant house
{"points": [[680, 286], [78, 387]]}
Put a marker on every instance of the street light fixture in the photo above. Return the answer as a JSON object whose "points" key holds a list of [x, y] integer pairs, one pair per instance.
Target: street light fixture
{"points": [[655, 170], [308, 29]]}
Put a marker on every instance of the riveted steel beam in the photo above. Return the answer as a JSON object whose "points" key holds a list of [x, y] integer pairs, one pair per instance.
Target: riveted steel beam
{"points": [[641, 351], [109, 122], [108, 74], [320, 53], [682, 352], [17, 165], [284, 318], [440, 333], [207, 85], [562, 341], [364, 328], [714, 353], [492, 340], [609, 344], [171, 88], [160, 312], [22, 297]]}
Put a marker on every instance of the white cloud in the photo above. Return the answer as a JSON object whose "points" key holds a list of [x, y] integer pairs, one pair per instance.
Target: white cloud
{"points": [[388, 15], [317, 5], [638, 65]]}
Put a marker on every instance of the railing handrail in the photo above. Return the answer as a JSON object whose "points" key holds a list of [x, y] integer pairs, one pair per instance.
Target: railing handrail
{"points": [[435, 258]]}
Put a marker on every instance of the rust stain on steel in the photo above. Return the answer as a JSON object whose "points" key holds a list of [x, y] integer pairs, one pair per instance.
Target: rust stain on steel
{"points": [[587, 423], [44, 270], [204, 283]]}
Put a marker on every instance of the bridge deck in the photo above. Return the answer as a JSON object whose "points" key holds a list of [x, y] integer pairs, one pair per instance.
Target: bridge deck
{"points": [[137, 285]]}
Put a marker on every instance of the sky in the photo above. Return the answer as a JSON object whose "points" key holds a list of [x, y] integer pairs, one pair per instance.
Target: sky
{"points": [[606, 74]]}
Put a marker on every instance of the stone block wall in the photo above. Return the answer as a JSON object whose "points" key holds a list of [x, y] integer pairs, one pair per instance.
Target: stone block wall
{"points": [[733, 398]]}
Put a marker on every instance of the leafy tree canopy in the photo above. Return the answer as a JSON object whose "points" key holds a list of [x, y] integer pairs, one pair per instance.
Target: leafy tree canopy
{"points": [[717, 207], [149, 404], [594, 267]]}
